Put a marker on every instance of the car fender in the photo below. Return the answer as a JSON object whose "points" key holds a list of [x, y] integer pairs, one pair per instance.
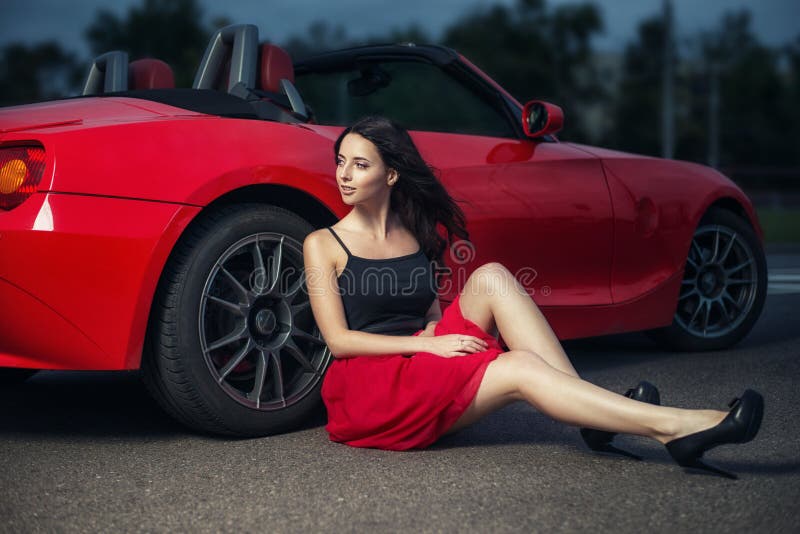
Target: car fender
{"points": [[657, 205]]}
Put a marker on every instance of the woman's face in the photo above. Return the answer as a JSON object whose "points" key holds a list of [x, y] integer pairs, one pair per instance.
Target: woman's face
{"points": [[359, 166]]}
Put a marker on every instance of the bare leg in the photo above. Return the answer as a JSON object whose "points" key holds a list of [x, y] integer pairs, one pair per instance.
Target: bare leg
{"points": [[523, 375], [492, 296]]}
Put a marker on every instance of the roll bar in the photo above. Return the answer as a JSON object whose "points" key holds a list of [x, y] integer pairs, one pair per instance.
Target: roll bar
{"points": [[243, 39], [108, 74]]}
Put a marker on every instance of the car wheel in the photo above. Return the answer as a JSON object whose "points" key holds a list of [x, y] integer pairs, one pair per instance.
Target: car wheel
{"points": [[723, 288], [11, 377], [232, 344]]}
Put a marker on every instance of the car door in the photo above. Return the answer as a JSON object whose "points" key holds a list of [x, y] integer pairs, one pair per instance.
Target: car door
{"points": [[539, 207]]}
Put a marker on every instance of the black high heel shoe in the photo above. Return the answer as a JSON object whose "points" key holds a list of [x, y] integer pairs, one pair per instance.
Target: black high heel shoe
{"points": [[600, 440], [739, 426]]}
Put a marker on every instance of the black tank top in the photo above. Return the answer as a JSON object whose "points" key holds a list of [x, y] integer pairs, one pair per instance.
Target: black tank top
{"points": [[386, 296]]}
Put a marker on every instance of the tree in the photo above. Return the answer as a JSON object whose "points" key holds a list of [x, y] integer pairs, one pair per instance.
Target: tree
{"points": [[535, 52], [36, 72], [319, 37], [756, 109], [170, 30], [637, 119]]}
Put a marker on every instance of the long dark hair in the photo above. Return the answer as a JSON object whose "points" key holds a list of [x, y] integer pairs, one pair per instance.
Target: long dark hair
{"points": [[418, 197]]}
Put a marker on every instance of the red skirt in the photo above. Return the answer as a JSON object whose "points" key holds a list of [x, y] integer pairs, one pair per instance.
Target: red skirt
{"points": [[397, 402]]}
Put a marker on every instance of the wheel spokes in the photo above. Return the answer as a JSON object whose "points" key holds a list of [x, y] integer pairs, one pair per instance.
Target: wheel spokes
{"points": [[706, 315], [697, 250], [275, 268], [236, 335], [244, 294], [258, 381], [712, 247], [258, 268], [297, 308], [295, 352], [738, 267], [294, 289], [725, 313], [236, 360], [302, 334], [725, 295], [278, 372], [727, 250], [714, 252], [232, 307], [689, 294], [696, 311]]}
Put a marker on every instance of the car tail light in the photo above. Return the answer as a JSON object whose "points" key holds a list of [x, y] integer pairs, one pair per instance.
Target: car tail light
{"points": [[21, 171]]}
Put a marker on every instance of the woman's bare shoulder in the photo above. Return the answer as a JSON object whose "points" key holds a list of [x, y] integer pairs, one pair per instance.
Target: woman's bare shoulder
{"points": [[317, 240], [320, 247]]}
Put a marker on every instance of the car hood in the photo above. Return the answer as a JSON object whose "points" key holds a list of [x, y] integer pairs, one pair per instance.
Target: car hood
{"points": [[83, 111], [607, 153]]}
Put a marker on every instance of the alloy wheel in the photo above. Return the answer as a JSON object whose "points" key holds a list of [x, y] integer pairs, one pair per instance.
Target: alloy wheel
{"points": [[257, 333], [719, 284]]}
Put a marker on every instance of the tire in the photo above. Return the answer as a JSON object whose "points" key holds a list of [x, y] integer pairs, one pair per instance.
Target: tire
{"points": [[723, 289], [13, 377], [232, 346]]}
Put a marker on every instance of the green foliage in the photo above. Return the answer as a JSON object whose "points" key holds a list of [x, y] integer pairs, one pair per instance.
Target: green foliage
{"points": [[319, 37], [536, 52], [639, 97], [759, 109], [34, 73], [170, 30], [531, 48], [780, 225]]}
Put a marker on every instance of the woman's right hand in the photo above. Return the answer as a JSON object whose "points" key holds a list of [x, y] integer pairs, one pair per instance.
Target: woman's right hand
{"points": [[451, 345]]}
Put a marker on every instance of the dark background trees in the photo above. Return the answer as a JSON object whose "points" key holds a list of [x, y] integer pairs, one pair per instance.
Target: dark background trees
{"points": [[170, 30], [29, 73], [535, 51]]}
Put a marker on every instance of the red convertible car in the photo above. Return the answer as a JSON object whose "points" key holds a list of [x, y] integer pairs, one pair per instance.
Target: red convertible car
{"points": [[144, 226]]}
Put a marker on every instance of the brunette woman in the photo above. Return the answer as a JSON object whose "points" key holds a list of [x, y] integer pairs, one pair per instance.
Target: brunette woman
{"points": [[405, 372]]}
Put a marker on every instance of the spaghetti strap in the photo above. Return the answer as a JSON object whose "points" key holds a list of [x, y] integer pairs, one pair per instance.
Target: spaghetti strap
{"points": [[340, 241]]}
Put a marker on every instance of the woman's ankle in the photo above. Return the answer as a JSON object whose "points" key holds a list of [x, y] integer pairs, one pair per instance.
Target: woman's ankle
{"points": [[689, 422]]}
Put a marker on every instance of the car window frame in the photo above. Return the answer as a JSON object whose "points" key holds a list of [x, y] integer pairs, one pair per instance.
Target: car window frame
{"points": [[458, 73]]}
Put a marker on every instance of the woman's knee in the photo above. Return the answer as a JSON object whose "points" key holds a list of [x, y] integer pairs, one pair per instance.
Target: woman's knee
{"points": [[523, 368], [490, 278]]}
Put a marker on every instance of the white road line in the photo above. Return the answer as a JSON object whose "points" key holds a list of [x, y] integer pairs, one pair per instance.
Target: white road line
{"points": [[784, 277], [794, 290], [783, 281]]}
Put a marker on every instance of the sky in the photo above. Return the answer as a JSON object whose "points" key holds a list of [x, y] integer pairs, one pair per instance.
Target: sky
{"points": [[774, 21]]}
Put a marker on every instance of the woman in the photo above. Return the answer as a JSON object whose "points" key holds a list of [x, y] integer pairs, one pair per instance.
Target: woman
{"points": [[404, 373]]}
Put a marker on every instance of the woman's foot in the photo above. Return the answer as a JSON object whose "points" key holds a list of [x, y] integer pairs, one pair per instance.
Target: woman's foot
{"points": [[600, 440], [692, 421], [740, 425]]}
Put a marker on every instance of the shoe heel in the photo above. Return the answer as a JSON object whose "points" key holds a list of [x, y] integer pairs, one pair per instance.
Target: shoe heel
{"points": [[700, 466]]}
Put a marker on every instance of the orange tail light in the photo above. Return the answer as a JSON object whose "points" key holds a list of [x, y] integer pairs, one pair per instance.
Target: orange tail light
{"points": [[21, 171]]}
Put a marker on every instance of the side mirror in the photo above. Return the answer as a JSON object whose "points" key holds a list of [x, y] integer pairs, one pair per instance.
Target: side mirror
{"points": [[541, 118]]}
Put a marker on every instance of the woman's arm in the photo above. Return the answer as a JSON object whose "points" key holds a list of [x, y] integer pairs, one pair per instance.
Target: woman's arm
{"points": [[328, 310]]}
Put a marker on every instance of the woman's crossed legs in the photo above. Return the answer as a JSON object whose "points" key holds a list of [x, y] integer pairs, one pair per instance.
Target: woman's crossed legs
{"points": [[537, 370]]}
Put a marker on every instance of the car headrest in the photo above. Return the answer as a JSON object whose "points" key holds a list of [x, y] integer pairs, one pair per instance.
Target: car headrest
{"points": [[275, 65], [150, 74]]}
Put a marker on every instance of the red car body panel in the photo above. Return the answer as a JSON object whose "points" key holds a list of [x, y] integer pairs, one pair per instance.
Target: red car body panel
{"points": [[79, 273], [657, 205], [597, 237]]}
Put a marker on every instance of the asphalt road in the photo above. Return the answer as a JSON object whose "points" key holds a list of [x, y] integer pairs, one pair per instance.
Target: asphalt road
{"points": [[92, 452]]}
